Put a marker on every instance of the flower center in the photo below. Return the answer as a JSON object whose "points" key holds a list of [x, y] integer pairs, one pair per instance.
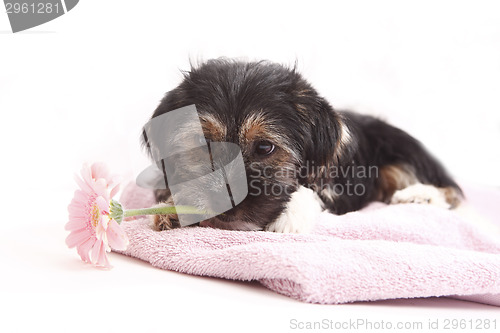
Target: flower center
{"points": [[95, 215]]}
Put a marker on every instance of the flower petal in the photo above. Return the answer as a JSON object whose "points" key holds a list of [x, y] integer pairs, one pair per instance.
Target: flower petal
{"points": [[88, 235], [78, 237], [94, 255], [114, 191], [98, 255], [76, 224], [102, 204], [101, 188], [84, 185], [100, 228], [100, 170], [77, 210], [103, 260], [80, 197], [84, 248], [117, 238], [86, 173]]}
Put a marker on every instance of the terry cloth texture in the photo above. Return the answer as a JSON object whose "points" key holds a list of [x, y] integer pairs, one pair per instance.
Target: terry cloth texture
{"points": [[380, 252]]}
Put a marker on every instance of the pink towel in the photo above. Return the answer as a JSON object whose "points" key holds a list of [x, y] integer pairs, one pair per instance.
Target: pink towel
{"points": [[381, 252]]}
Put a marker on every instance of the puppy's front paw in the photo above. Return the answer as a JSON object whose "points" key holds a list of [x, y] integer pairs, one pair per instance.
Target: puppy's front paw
{"points": [[165, 222], [300, 213], [421, 194]]}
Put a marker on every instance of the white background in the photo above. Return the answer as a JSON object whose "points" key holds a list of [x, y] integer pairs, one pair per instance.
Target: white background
{"points": [[79, 88]]}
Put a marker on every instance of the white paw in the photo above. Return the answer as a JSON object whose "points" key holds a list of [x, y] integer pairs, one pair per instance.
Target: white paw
{"points": [[300, 213], [421, 194]]}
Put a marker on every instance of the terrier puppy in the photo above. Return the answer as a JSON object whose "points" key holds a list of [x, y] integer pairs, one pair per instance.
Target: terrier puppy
{"points": [[301, 156]]}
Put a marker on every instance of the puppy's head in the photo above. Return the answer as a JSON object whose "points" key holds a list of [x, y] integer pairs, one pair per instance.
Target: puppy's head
{"points": [[278, 121]]}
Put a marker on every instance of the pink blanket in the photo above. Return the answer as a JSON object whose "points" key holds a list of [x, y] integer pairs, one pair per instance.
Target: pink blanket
{"points": [[381, 252]]}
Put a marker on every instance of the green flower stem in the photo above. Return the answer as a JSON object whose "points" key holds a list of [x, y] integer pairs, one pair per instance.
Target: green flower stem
{"points": [[117, 213], [164, 211]]}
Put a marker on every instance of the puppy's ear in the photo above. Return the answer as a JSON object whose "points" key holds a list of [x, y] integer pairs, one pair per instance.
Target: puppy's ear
{"points": [[328, 141]]}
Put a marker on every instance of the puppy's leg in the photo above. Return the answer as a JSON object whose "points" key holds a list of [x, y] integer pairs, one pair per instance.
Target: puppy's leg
{"points": [[401, 161], [168, 221], [400, 184], [423, 194], [300, 213]]}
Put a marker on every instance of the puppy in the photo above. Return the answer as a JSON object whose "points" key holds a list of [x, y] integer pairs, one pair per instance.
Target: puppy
{"points": [[301, 156]]}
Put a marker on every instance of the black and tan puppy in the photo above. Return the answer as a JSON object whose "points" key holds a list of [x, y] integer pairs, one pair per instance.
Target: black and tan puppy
{"points": [[301, 155]]}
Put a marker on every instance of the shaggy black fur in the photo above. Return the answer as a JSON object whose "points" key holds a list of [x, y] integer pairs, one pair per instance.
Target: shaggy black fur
{"points": [[312, 142]]}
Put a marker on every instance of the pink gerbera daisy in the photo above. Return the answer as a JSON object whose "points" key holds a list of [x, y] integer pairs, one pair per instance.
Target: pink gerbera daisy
{"points": [[93, 232]]}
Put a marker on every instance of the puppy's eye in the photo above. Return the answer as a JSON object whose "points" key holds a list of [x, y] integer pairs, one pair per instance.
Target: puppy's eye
{"points": [[264, 148]]}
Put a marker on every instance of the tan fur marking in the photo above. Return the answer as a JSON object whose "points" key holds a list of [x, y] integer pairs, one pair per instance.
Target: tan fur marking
{"points": [[301, 108], [344, 139], [165, 222], [452, 196], [213, 128], [303, 92], [253, 126], [393, 178], [257, 127]]}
